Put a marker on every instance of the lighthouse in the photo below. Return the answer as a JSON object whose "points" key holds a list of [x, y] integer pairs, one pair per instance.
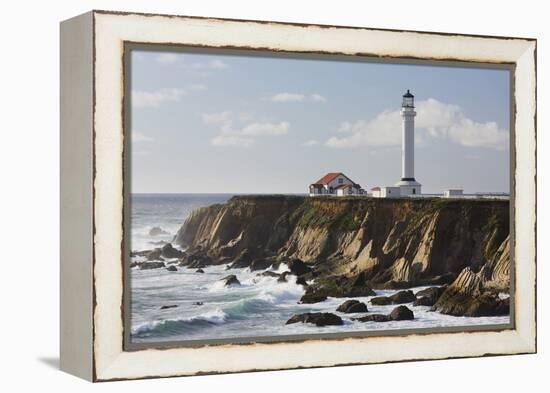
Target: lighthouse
{"points": [[408, 184]]}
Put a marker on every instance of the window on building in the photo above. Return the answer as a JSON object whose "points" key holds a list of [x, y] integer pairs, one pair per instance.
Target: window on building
{"points": [[414, 190], [340, 181]]}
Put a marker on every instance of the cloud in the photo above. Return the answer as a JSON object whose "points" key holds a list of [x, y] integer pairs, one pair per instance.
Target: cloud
{"points": [[140, 137], [318, 98], [232, 140], [167, 58], [259, 129], [287, 97], [153, 99], [297, 97], [217, 118], [236, 129], [214, 64], [438, 121], [311, 143]]}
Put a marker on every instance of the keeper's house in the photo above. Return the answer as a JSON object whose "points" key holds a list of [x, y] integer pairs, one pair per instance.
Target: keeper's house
{"points": [[336, 184]]}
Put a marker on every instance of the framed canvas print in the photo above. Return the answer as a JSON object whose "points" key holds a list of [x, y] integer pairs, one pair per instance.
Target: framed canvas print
{"points": [[246, 195]]}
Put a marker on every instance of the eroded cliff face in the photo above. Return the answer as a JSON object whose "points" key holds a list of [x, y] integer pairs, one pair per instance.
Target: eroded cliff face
{"points": [[387, 243]]}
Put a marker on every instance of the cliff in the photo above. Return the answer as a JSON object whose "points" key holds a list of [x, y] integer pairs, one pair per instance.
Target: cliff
{"points": [[383, 243]]}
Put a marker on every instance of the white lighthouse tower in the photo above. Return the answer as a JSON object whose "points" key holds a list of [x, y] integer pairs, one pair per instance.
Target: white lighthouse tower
{"points": [[408, 184]]}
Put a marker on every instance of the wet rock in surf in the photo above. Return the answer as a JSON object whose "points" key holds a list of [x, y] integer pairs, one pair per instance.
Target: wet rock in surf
{"points": [[401, 313], [403, 297], [301, 281], [167, 251], [317, 318], [199, 270], [373, 318], [352, 306], [198, 303], [269, 273], [195, 261], [466, 297], [172, 268], [298, 267], [429, 296], [151, 265], [310, 298], [154, 255], [260, 264], [243, 260], [169, 306], [230, 280], [423, 301], [157, 231], [337, 286], [397, 298], [283, 277], [380, 301], [140, 253]]}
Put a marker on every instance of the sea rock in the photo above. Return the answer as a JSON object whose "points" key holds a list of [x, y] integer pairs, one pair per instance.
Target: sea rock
{"points": [[373, 318], [269, 273], [429, 296], [243, 260], [337, 286], [169, 306], [402, 297], [198, 303], [466, 297], [283, 277], [352, 306], [380, 301], [260, 264], [156, 231], [298, 267], [310, 298], [151, 265], [142, 253], [199, 270], [154, 255], [317, 318], [172, 268], [401, 313], [423, 301], [167, 251], [230, 280], [301, 281], [195, 261]]}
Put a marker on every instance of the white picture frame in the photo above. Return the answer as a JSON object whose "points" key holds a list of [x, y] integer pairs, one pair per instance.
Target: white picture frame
{"points": [[92, 194]]}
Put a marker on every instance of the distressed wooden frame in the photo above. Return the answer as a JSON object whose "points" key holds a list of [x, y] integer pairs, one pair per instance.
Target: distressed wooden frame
{"points": [[92, 190]]}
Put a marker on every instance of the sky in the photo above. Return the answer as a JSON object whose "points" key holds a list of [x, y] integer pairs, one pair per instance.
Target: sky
{"points": [[218, 123]]}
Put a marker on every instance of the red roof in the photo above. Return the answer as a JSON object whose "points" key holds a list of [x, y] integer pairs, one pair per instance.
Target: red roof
{"points": [[329, 177]]}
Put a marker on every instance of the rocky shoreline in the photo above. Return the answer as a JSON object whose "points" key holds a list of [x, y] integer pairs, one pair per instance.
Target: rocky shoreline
{"points": [[352, 247]]}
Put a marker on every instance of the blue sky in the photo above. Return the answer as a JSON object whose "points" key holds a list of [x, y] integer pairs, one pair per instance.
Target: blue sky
{"points": [[246, 124]]}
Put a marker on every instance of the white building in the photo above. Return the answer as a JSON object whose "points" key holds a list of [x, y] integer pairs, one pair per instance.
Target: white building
{"points": [[335, 183], [453, 193], [407, 186], [386, 192]]}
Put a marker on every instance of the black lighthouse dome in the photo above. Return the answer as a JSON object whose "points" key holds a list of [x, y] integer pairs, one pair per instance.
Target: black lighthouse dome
{"points": [[408, 100]]}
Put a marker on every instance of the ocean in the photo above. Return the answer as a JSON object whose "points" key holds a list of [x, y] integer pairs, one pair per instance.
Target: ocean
{"points": [[260, 306]]}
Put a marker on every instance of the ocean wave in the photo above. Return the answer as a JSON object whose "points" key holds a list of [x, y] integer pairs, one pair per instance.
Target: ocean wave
{"points": [[168, 327]]}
